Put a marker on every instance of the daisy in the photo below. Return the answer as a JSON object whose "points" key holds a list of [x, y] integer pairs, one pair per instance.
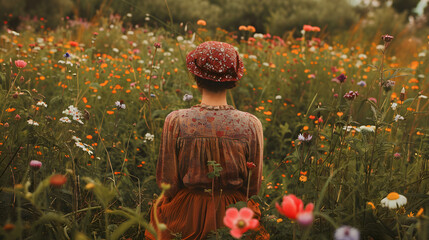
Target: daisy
{"points": [[394, 200]]}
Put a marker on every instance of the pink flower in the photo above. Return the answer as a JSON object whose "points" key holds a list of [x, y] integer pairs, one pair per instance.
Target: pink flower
{"points": [[20, 63], [293, 208], [35, 165], [240, 221], [307, 28]]}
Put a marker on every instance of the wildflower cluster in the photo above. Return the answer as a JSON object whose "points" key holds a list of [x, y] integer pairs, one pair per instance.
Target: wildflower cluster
{"points": [[74, 113], [85, 147]]}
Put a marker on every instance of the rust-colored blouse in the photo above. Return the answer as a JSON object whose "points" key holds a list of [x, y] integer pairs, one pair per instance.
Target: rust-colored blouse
{"points": [[192, 137], [203, 133]]}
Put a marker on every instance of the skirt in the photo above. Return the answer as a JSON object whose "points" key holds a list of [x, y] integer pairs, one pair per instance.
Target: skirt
{"points": [[192, 214]]}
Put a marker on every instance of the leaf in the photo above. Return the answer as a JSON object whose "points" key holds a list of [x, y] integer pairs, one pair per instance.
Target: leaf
{"points": [[408, 100], [123, 228], [95, 85]]}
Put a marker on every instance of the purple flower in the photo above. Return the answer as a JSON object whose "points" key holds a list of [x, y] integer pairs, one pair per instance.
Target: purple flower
{"points": [[362, 83], [66, 55], [347, 233], [342, 78], [157, 45], [351, 95], [35, 165]]}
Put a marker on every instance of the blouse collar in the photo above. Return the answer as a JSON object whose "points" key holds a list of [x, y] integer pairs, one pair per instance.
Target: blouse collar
{"points": [[217, 107]]}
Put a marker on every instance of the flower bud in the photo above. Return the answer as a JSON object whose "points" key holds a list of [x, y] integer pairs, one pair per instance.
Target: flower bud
{"points": [[402, 95], [35, 165]]}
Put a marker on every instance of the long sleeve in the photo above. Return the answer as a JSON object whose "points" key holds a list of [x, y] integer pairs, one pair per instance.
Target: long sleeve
{"points": [[256, 156], [167, 170]]}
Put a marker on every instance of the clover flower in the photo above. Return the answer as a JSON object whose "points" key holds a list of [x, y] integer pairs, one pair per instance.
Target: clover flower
{"points": [[35, 165], [394, 200], [351, 95], [347, 233], [394, 106], [240, 221]]}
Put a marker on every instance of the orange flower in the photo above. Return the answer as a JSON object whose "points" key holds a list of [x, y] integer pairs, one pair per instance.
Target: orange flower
{"points": [[251, 28], [201, 22], [10, 109], [339, 114], [242, 28], [58, 180], [110, 112]]}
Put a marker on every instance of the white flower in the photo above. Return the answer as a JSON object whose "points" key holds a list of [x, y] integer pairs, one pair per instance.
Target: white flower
{"points": [[32, 122], [398, 117], [394, 106], [380, 47], [347, 233], [253, 57], [76, 138], [362, 56], [187, 97], [394, 200], [422, 54], [120, 105], [179, 38], [421, 76], [366, 129], [41, 103], [258, 35], [65, 120], [278, 97], [423, 96], [265, 64], [148, 137], [304, 137], [348, 128], [115, 50], [74, 113]]}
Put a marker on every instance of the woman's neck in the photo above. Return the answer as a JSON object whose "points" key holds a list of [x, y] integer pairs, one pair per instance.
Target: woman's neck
{"points": [[213, 98]]}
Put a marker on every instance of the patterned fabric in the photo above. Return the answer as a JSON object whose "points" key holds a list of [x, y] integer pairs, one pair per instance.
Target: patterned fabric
{"points": [[216, 61], [191, 138]]}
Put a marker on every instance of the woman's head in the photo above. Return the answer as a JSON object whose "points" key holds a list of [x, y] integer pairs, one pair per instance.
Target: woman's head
{"points": [[215, 65]]}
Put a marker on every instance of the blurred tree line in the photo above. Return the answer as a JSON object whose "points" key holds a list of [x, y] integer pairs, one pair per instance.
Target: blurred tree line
{"points": [[274, 16]]}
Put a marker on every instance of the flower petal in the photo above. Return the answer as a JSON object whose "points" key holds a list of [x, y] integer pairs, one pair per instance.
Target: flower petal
{"points": [[254, 223], [246, 213], [236, 233], [309, 207], [230, 218]]}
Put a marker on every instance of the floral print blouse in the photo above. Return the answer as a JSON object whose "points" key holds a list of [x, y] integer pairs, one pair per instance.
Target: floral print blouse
{"points": [[192, 137]]}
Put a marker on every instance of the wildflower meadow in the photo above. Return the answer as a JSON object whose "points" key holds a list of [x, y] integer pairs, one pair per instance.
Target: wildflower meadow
{"points": [[346, 130]]}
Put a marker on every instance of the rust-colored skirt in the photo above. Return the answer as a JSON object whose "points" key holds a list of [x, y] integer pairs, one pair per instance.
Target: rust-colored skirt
{"points": [[192, 214]]}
